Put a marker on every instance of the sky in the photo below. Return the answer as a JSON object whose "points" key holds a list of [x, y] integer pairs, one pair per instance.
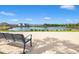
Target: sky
{"points": [[39, 14]]}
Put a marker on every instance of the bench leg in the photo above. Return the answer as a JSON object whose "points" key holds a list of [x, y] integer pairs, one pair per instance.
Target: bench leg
{"points": [[24, 48], [31, 42]]}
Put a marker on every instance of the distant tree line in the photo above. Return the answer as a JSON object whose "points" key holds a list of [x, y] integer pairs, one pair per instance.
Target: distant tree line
{"points": [[43, 25]]}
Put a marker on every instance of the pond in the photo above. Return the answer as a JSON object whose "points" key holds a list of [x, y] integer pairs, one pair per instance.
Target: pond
{"points": [[38, 28]]}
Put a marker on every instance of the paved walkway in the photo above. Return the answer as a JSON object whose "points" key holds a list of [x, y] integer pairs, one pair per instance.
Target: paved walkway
{"points": [[46, 43]]}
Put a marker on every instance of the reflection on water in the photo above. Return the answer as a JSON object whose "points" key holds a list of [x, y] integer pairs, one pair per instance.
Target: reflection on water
{"points": [[40, 28]]}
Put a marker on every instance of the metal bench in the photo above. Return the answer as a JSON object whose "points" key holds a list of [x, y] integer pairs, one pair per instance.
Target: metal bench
{"points": [[17, 38]]}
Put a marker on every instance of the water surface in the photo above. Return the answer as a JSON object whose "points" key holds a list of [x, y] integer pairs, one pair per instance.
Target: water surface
{"points": [[39, 28]]}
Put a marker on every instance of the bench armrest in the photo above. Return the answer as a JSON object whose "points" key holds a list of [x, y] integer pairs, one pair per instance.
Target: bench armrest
{"points": [[28, 38]]}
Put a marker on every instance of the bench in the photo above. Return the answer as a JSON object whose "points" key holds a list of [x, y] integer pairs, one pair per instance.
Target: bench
{"points": [[17, 38]]}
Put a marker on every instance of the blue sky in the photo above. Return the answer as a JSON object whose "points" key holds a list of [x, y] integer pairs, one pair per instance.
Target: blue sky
{"points": [[39, 14]]}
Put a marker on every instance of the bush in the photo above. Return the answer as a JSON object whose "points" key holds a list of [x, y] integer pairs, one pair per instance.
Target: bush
{"points": [[31, 29]]}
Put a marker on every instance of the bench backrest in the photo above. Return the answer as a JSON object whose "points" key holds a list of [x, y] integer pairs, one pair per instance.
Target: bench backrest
{"points": [[13, 37], [8, 36], [1, 35], [19, 37]]}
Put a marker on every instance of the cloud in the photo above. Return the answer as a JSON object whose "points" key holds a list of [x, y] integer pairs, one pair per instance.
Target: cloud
{"points": [[20, 20], [46, 18], [28, 19], [69, 21], [15, 20], [72, 20], [69, 7], [7, 13]]}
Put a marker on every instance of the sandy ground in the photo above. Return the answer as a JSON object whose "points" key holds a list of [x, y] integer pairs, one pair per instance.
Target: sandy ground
{"points": [[52, 42]]}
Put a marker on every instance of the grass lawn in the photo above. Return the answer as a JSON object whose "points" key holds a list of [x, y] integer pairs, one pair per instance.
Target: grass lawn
{"points": [[4, 27], [41, 31]]}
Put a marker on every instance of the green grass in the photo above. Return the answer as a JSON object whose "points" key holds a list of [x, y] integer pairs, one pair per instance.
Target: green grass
{"points": [[4, 27], [41, 31]]}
